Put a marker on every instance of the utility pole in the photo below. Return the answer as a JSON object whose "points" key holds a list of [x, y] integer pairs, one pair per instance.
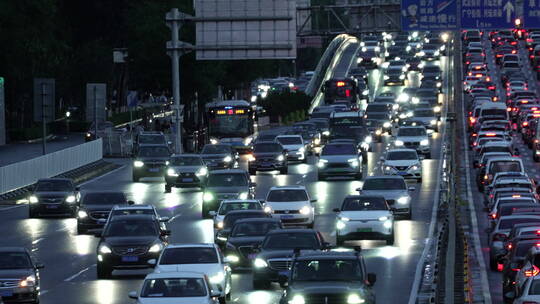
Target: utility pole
{"points": [[95, 112], [176, 48], [44, 122]]}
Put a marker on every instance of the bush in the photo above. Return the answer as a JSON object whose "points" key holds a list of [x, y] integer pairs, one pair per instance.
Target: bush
{"points": [[286, 105]]}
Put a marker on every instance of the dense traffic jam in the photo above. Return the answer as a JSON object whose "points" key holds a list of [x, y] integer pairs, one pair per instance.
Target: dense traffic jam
{"points": [[502, 115], [274, 238]]}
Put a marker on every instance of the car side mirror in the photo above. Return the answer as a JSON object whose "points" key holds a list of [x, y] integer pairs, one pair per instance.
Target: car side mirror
{"points": [[39, 266], [130, 202], [212, 213], [411, 189], [336, 210], [371, 278], [152, 262], [165, 232], [133, 295], [164, 219]]}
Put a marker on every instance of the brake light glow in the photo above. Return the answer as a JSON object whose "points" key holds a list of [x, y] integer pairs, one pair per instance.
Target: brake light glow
{"points": [[516, 196], [525, 123], [491, 134], [494, 215], [340, 83], [531, 272]]}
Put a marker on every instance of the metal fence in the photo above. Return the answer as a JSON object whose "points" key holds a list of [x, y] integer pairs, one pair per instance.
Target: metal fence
{"points": [[22, 174], [117, 143]]}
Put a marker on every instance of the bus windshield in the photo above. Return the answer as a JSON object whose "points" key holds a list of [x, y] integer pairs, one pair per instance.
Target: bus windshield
{"points": [[229, 125]]}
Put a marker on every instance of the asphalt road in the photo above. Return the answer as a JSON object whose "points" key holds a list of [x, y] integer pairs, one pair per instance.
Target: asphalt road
{"points": [[70, 259]]}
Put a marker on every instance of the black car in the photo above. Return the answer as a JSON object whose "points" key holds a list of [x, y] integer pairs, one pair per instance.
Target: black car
{"points": [[19, 276], [329, 277], [246, 235], [53, 196], [150, 161], [219, 156], [267, 156], [359, 73], [128, 242], [377, 123], [230, 219], [226, 184], [94, 208], [274, 257], [394, 76], [149, 138], [513, 263]]}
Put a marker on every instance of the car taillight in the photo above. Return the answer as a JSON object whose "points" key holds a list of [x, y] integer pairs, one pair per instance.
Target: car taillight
{"points": [[509, 246], [531, 272], [509, 109], [525, 123], [494, 215]]}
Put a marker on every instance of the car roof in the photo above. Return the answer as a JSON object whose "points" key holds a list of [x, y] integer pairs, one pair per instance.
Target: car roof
{"points": [[400, 150], [191, 245], [230, 201], [363, 196], [519, 217], [289, 135], [290, 187], [133, 207]]}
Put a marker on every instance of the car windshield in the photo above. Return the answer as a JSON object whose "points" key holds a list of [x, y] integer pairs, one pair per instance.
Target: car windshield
{"points": [[505, 166], [188, 255], [267, 148], [493, 112], [130, 211], [186, 161], [411, 132], [266, 137], [507, 224], [339, 149], [384, 184], [377, 108], [290, 140], [253, 228], [287, 195], [231, 218], [376, 116], [117, 198], [54, 186], [15, 260], [364, 204], [227, 207], [401, 155], [125, 228], [522, 248], [327, 270], [174, 288], [424, 113], [216, 149], [151, 139], [162, 151], [291, 241], [227, 180]]}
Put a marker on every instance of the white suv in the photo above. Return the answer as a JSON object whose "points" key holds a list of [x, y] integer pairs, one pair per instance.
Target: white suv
{"points": [[403, 162], [292, 205], [294, 145], [414, 138]]}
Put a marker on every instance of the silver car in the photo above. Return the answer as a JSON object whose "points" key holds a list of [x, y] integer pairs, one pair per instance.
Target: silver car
{"points": [[394, 190], [185, 171], [340, 159], [402, 162]]}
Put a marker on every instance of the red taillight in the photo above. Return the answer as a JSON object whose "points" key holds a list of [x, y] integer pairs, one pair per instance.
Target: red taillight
{"points": [[531, 272], [509, 109], [509, 246], [494, 215], [491, 134], [340, 83], [514, 51], [475, 144], [516, 196], [491, 88], [500, 267], [525, 123], [516, 270]]}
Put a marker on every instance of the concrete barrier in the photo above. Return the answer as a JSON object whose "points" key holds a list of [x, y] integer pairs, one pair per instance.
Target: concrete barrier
{"points": [[22, 174]]}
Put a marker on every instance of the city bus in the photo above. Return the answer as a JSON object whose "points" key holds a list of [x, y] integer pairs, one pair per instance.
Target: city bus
{"points": [[231, 122], [341, 89]]}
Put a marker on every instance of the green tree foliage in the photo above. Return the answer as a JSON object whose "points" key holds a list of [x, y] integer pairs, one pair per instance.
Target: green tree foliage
{"points": [[288, 106]]}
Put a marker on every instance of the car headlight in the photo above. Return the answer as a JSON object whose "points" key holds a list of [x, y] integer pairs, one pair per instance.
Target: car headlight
{"points": [[138, 163], [437, 53], [340, 224], [399, 143], [227, 159], [305, 210], [387, 125], [388, 168], [156, 248], [353, 162], [221, 238], [104, 249], [388, 224], [33, 199], [260, 263], [368, 139], [280, 158], [171, 172], [243, 196], [424, 142], [403, 97], [364, 49], [403, 200], [207, 197], [433, 122], [383, 218], [202, 172], [365, 92], [386, 77], [251, 158], [422, 53], [415, 167], [378, 132], [402, 115], [297, 299], [88, 134], [217, 278], [267, 209], [402, 77], [415, 100], [355, 299], [377, 49], [71, 199], [220, 225], [232, 258], [326, 133], [213, 141], [321, 163], [247, 141], [437, 109], [302, 150], [28, 281], [82, 214]]}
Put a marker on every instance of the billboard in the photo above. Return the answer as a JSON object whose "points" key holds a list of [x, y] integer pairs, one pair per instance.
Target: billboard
{"points": [[96, 95], [245, 29], [44, 99]]}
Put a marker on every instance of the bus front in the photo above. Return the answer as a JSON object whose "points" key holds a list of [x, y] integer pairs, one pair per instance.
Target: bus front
{"points": [[231, 125]]}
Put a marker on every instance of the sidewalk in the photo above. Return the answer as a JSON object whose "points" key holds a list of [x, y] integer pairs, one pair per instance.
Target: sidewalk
{"points": [[13, 153]]}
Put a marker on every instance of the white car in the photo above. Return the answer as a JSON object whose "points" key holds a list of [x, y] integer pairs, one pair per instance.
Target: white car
{"points": [[364, 217], [403, 162], [413, 138], [203, 258], [292, 205], [294, 145], [395, 191], [529, 292], [175, 287], [231, 205]]}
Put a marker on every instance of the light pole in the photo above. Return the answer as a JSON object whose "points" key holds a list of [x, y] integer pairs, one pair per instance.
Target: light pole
{"points": [[68, 114]]}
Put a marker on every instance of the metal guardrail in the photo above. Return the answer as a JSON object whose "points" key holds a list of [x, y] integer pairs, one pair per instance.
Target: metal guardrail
{"points": [[22, 174]]}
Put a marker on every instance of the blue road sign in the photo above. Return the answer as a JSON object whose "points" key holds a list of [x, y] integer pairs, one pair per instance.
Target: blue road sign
{"points": [[488, 14], [428, 15], [531, 10]]}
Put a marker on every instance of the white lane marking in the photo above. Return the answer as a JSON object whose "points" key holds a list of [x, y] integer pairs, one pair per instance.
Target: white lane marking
{"points": [[71, 278], [12, 207], [419, 271], [102, 176]]}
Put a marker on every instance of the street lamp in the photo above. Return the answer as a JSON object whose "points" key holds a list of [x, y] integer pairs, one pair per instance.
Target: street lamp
{"points": [[68, 114]]}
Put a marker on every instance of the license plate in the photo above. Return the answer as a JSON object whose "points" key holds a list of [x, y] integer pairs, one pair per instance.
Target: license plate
{"points": [[252, 256], [364, 229], [52, 206], [130, 259], [153, 170], [6, 293], [187, 180], [287, 216], [284, 273]]}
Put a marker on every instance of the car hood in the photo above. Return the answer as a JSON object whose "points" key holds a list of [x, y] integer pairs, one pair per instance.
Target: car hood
{"points": [[411, 138], [214, 156], [338, 158], [15, 273], [327, 287], [387, 194], [187, 169], [401, 163], [266, 154], [288, 205], [208, 269], [230, 189], [53, 194], [130, 240], [245, 240], [365, 215], [98, 207]]}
